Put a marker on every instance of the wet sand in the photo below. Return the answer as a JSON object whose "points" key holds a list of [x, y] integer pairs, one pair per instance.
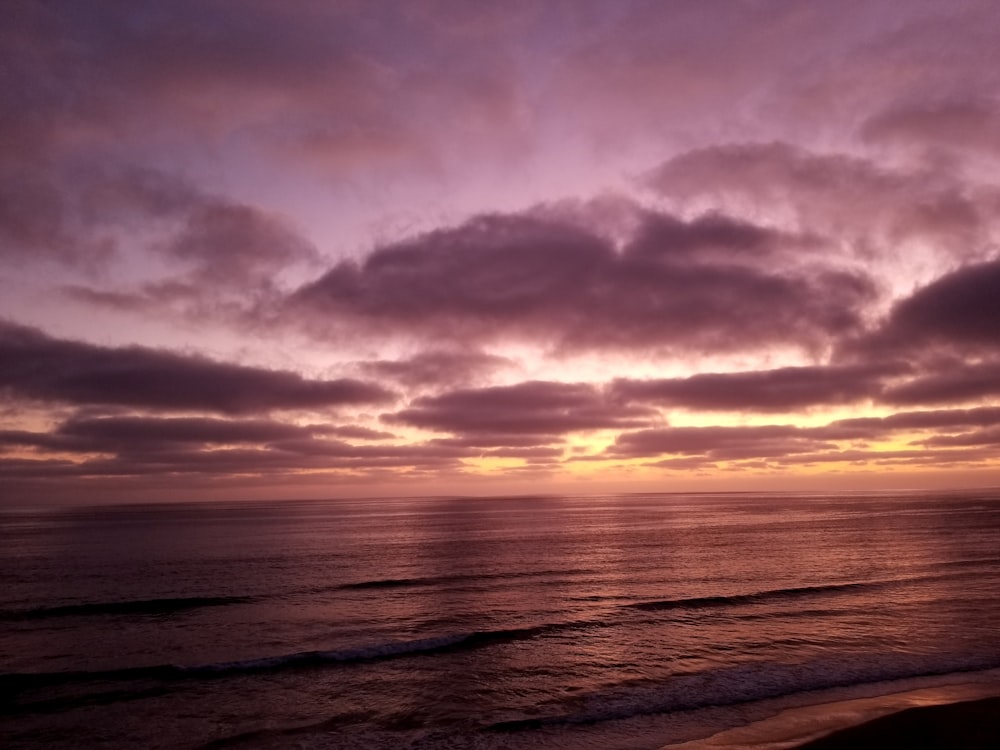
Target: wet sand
{"points": [[947, 716], [970, 725]]}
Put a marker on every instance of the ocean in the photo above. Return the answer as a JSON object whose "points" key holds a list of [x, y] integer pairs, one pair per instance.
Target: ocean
{"points": [[632, 621]]}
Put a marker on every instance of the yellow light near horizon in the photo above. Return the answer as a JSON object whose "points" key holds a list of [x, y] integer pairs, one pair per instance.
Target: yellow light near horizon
{"points": [[493, 464]]}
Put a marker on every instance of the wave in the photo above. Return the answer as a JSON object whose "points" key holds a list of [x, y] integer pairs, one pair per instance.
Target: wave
{"points": [[299, 660], [384, 583], [698, 602], [747, 683], [134, 607], [387, 583], [179, 604], [795, 592], [970, 563]]}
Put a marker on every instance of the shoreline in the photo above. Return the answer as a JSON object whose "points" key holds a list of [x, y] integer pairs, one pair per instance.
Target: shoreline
{"points": [[958, 716], [966, 725]]}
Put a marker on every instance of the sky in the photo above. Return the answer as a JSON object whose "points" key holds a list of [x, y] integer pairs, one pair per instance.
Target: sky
{"points": [[315, 249]]}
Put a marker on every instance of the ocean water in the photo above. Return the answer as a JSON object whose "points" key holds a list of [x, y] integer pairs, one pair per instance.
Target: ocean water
{"points": [[632, 621]]}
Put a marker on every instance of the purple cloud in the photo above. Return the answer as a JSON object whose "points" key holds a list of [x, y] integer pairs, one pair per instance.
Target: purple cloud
{"points": [[436, 368], [862, 208], [532, 408], [952, 125], [37, 366], [781, 390], [961, 309], [956, 384], [529, 278], [719, 443]]}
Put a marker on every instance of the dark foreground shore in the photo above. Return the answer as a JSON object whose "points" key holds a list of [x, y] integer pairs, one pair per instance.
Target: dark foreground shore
{"points": [[970, 725]]}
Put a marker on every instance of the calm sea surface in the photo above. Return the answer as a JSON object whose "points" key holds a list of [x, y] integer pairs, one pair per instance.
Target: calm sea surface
{"points": [[549, 622]]}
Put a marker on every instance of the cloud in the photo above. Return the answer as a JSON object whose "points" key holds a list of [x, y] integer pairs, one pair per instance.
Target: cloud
{"points": [[478, 441], [195, 60], [952, 125], [357, 432], [147, 446], [533, 408], [228, 242], [679, 285], [959, 310], [127, 432], [37, 366], [989, 436], [781, 390], [867, 209], [941, 419], [184, 250], [791, 444], [140, 435], [719, 443], [436, 368], [229, 462], [826, 200], [209, 254], [947, 330], [958, 383], [93, 97]]}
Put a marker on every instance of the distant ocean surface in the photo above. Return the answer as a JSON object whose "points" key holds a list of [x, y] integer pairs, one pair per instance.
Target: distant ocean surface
{"points": [[634, 621]]}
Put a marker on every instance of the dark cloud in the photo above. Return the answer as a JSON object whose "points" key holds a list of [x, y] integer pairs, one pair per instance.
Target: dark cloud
{"points": [[130, 435], [148, 446], [437, 369], [957, 384], [959, 310], [784, 389], [525, 277], [793, 445], [531, 408], [34, 365], [949, 329], [208, 250], [989, 436], [871, 428], [917, 458], [864, 207], [133, 431], [227, 242], [713, 236], [253, 461], [718, 443], [211, 251]]}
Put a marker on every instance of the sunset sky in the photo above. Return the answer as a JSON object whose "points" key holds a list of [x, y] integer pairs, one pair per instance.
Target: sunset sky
{"points": [[312, 249]]}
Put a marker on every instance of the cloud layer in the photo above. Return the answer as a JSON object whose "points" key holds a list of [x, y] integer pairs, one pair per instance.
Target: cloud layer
{"points": [[274, 250]]}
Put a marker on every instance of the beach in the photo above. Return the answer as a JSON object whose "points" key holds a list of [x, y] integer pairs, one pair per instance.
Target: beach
{"points": [[963, 716], [971, 725]]}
